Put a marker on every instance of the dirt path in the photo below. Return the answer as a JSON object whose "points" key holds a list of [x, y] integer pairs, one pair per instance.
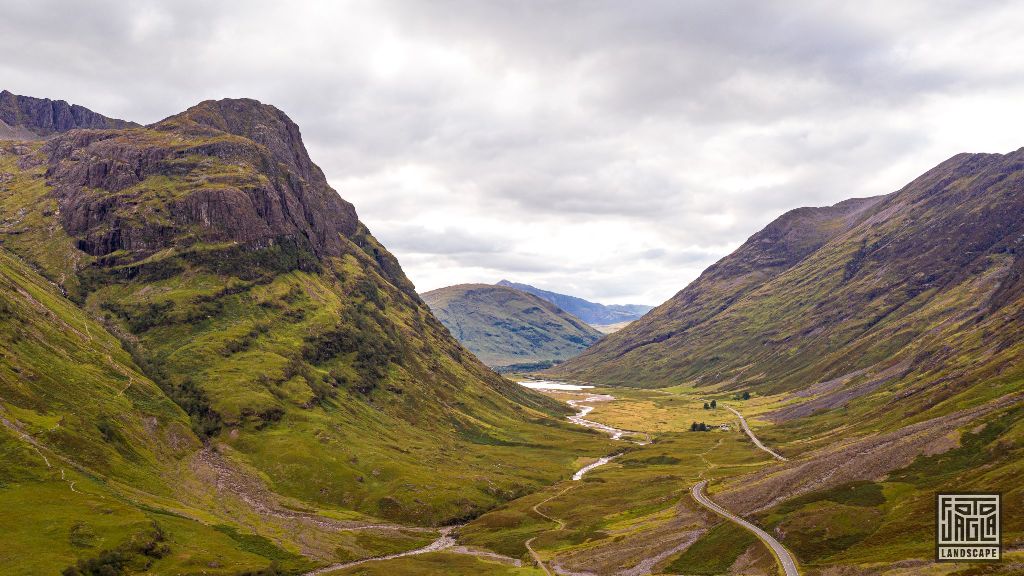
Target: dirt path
{"points": [[443, 542], [261, 500], [13, 426], [558, 521], [746, 428], [785, 559]]}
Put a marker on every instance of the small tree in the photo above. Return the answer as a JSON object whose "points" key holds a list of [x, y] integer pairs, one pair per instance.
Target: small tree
{"points": [[714, 404], [746, 395], [706, 406], [703, 427], [693, 427]]}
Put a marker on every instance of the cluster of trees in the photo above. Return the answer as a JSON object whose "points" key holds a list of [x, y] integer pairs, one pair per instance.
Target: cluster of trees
{"points": [[711, 405], [139, 552], [699, 427], [206, 422], [744, 396], [368, 334]]}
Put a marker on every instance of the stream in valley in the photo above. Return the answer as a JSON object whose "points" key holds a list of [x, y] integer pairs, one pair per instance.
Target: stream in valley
{"points": [[585, 406]]}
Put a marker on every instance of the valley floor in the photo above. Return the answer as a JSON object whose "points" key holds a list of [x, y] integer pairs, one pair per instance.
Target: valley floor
{"points": [[642, 510]]}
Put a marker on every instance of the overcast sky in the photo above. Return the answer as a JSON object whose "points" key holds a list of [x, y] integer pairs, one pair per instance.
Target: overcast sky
{"points": [[610, 150]]}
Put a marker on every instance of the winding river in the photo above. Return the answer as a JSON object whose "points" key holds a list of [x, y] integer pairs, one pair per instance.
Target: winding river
{"points": [[585, 406]]}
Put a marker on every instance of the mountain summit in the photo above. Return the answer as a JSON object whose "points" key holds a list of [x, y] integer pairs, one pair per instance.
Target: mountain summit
{"points": [[509, 329], [194, 322], [27, 118], [590, 312]]}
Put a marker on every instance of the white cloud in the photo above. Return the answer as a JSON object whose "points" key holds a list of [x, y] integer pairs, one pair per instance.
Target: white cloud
{"points": [[607, 149]]}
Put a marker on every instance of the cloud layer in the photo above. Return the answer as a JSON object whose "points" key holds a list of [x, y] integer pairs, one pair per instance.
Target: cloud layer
{"points": [[607, 149]]}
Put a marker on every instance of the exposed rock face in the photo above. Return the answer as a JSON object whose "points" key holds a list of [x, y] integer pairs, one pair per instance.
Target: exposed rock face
{"points": [[253, 298], [226, 186], [43, 117]]}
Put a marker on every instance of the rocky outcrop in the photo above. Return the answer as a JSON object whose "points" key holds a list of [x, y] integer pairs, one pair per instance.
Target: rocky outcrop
{"points": [[197, 176], [42, 117]]}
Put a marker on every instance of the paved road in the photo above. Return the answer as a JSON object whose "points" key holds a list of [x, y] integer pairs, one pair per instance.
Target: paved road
{"points": [[743, 422], [784, 558]]}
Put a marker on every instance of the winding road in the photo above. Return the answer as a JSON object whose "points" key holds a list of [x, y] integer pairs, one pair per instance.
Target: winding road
{"points": [[783, 556], [746, 428]]}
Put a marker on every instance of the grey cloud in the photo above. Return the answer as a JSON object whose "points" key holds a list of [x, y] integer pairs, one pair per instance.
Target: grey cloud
{"points": [[419, 240], [676, 128]]}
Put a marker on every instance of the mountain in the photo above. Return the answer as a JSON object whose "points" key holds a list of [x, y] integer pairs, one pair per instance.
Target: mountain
{"points": [[861, 295], [590, 312], [27, 118], [881, 339], [507, 328], [209, 361]]}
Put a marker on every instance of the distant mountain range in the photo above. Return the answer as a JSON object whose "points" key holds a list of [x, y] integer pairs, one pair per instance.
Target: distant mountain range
{"points": [[509, 329], [590, 312]]}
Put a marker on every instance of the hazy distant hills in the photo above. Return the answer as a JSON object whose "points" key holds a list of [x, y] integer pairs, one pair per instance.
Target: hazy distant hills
{"points": [[507, 328], [590, 312]]}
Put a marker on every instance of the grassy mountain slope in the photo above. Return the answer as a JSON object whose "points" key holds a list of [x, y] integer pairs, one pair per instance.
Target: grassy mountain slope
{"points": [[90, 448], [897, 288], [504, 326], [590, 312], [887, 331], [226, 275]]}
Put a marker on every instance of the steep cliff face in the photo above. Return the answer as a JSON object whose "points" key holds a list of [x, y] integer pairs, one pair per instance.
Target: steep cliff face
{"points": [[27, 117], [249, 292], [206, 184]]}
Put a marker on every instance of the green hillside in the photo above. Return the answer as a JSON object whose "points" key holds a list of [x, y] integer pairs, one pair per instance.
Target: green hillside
{"points": [[883, 335], [217, 351], [506, 327]]}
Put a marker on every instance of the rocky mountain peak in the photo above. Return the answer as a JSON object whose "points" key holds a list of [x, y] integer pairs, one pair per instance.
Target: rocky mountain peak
{"points": [[251, 119], [229, 170], [27, 117]]}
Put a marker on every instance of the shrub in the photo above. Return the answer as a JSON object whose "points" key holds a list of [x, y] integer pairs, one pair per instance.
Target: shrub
{"points": [[143, 549], [366, 334], [141, 317]]}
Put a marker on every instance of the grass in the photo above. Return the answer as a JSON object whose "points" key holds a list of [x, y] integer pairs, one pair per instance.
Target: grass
{"points": [[438, 563], [624, 507], [324, 376], [714, 553], [329, 381]]}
